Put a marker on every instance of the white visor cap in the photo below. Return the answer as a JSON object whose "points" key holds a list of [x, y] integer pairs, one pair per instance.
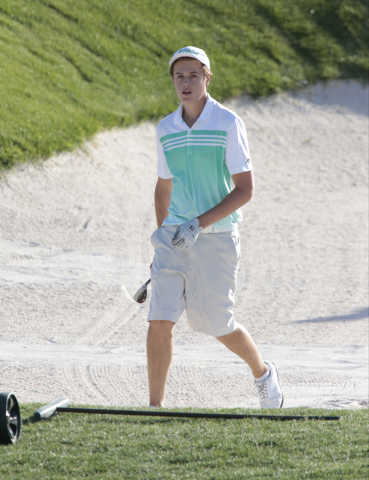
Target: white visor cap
{"points": [[192, 52]]}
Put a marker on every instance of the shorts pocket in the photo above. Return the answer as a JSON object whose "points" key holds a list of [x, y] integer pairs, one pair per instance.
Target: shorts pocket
{"points": [[154, 237]]}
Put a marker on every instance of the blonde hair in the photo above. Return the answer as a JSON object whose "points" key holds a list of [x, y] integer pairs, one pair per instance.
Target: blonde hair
{"points": [[206, 69]]}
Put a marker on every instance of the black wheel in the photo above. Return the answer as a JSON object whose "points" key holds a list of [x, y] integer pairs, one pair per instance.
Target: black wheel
{"points": [[10, 418]]}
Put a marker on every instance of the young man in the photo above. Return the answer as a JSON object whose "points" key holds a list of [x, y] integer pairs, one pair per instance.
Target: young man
{"points": [[204, 178]]}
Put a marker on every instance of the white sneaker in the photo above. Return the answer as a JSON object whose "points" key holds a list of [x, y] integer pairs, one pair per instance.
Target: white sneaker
{"points": [[270, 391]]}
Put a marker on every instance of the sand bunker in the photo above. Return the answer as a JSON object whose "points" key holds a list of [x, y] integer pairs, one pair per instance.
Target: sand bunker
{"points": [[74, 247]]}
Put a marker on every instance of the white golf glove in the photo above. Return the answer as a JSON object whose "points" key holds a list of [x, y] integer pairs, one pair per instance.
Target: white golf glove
{"points": [[186, 234]]}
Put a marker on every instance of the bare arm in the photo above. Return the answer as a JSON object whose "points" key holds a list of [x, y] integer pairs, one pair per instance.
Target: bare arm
{"points": [[240, 195], [163, 190]]}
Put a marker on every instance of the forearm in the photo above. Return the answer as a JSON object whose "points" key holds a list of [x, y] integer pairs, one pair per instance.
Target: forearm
{"points": [[162, 202], [234, 200]]}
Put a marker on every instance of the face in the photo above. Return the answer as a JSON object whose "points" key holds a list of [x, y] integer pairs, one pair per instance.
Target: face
{"points": [[190, 81]]}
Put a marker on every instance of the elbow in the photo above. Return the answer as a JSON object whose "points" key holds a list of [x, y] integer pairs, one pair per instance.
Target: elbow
{"points": [[244, 196], [245, 186], [251, 194], [248, 195]]}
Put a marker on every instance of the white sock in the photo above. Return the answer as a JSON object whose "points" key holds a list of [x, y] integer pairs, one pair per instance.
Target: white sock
{"points": [[263, 377]]}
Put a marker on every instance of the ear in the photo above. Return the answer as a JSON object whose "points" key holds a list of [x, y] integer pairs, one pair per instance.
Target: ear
{"points": [[207, 81]]}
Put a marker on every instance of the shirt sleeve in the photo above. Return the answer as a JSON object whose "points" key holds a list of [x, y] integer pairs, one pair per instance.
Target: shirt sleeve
{"points": [[163, 170], [237, 154]]}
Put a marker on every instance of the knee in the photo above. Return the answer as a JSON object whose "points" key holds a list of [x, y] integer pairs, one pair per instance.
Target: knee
{"points": [[162, 327], [236, 331]]}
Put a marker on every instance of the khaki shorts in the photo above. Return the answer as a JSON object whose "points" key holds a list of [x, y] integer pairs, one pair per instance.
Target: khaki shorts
{"points": [[201, 281]]}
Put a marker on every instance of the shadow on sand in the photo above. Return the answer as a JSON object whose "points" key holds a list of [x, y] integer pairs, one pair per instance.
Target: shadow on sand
{"points": [[358, 314]]}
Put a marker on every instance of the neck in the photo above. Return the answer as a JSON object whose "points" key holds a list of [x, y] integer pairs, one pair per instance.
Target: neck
{"points": [[191, 112]]}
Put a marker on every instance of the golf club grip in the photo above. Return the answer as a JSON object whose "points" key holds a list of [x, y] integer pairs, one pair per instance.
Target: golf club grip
{"points": [[50, 409], [225, 416]]}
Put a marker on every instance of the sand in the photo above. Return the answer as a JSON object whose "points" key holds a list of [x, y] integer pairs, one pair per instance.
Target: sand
{"points": [[74, 247]]}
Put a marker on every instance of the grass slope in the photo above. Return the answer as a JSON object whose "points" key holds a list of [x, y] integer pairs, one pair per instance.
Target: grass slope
{"points": [[69, 68], [77, 446]]}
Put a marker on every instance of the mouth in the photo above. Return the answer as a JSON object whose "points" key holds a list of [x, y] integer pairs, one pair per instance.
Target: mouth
{"points": [[186, 93]]}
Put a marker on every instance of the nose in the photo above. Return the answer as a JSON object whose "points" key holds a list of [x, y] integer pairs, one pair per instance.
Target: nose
{"points": [[186, 79]]}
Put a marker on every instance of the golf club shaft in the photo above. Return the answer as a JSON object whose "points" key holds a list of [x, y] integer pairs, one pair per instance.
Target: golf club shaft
{"points": [[191, 415]]}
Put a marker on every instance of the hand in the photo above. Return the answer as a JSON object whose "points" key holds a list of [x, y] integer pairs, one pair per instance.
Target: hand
{"points": [[186, 234]]}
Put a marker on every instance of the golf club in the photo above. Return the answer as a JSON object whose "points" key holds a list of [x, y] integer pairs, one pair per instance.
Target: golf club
{"points": [[141, 294], [48, 410], [55, 407]]}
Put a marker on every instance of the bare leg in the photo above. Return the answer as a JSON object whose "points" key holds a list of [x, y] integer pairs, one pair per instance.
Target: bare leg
{"points": [[242, 344], [159, 357]]}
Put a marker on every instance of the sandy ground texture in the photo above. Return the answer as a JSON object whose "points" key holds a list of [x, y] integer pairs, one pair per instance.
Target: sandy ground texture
{"points": [[74, 247]]}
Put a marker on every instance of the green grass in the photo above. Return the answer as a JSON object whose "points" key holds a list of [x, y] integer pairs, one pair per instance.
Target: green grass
{"points": [[77, 446], [69, 68]]}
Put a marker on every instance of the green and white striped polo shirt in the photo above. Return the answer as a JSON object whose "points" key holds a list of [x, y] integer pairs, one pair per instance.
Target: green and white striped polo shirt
{"points": [[201, 161]]}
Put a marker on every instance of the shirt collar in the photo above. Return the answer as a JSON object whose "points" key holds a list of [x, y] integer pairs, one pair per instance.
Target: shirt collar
{"points": [[205, 114]]}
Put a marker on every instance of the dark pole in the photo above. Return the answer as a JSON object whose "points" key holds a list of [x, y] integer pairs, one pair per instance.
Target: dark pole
{"points": [[226, 416]]}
